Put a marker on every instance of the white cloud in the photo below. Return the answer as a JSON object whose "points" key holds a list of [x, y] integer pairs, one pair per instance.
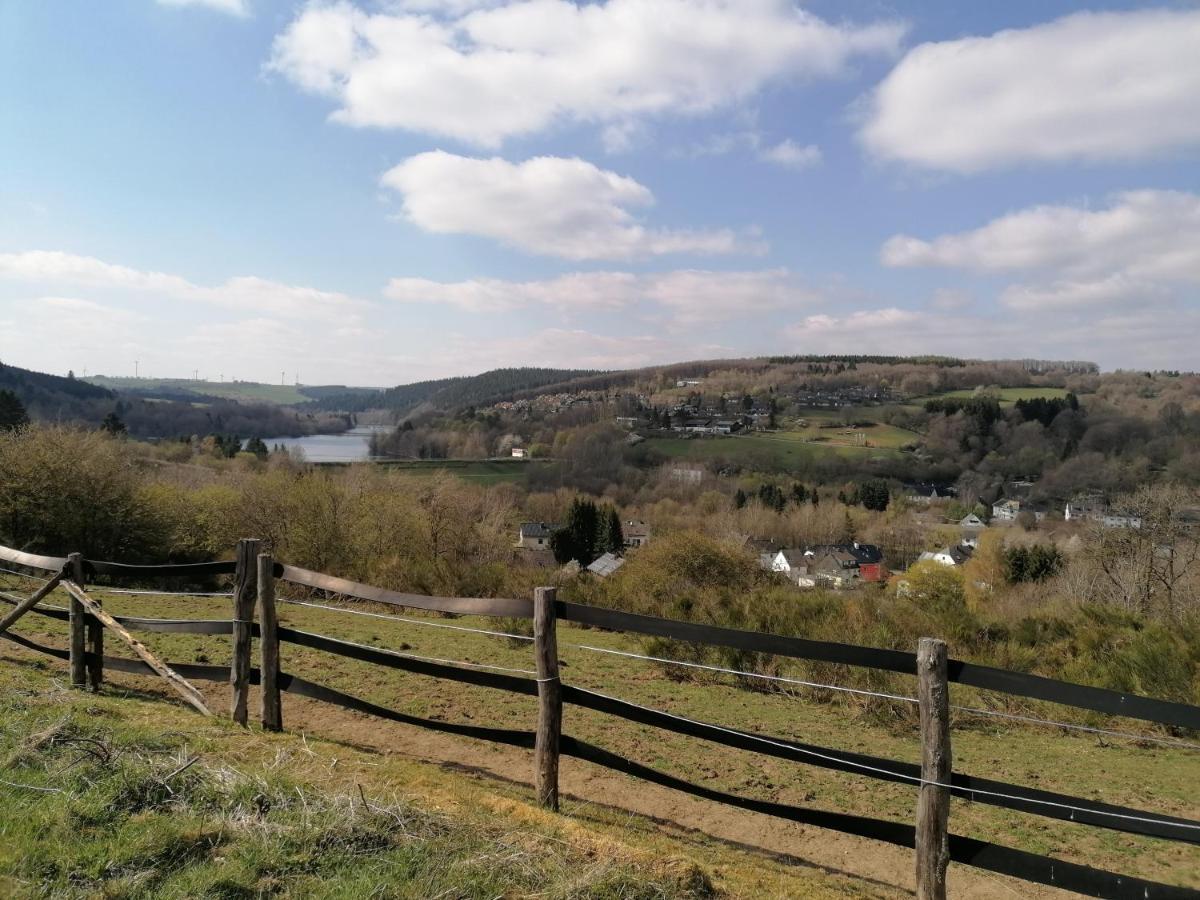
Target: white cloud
{"points": [[547, 205], [1090, 86], [1138, 338], [792, 155], [1145, 233], [690, 296], [1136, 249], [573, 348], [246, 293], [484, 75], [233, 7]]}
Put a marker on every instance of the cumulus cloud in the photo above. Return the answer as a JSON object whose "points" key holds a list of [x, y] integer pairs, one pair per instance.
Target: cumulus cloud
{"points": [[247, 293], [233, 7], [574, 348], [1137, 248], [482, 73], [1090, 86], [690, 296], [546, 205], [1136, 338], [792, 155]]}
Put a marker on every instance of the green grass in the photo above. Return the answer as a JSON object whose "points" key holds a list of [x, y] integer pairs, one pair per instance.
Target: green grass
{"points": [[786, 449], [1009, 394], [1154, 778], [249, 392], [484, 471], [109, 797]]}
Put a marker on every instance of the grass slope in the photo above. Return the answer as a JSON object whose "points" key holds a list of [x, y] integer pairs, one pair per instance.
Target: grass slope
{"points": [[241, 391], [117, 797], [1009, 395], [1150, 777]]}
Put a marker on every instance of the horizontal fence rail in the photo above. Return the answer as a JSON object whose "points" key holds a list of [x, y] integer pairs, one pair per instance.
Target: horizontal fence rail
{"points": [[980, 854]]}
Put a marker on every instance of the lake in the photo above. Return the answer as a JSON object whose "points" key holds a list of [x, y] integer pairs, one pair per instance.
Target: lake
{"points": [[348, 446]]}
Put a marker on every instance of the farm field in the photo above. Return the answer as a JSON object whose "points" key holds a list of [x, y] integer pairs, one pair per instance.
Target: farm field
{"points": [[1155, 778], [243, 391], [781, 449], [483, 471], [1009, 395]]}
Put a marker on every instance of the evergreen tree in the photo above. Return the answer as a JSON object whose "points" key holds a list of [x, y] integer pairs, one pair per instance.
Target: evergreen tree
{"points": [[874, 494], [799, 493], [613, 535], [12, 412], [739, 499], [258, 447], [113, 425]]}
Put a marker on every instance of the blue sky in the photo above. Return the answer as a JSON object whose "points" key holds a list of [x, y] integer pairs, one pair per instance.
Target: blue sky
{"points": [[378, 192]]}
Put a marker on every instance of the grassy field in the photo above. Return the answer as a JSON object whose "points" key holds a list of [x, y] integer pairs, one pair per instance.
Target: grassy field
{"points": [[115, 796], [1009, 395], [483, 471], [1155, 778], [789, 447], [243, 391]]}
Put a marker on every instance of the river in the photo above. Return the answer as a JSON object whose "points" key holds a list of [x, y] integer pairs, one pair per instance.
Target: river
{"points": [[347, 447]]}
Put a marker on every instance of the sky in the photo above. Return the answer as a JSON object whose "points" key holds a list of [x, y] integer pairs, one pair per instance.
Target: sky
{"points": [[374, 192]]}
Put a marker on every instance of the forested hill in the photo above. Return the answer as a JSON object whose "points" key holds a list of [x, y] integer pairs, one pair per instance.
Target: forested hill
{"points": [[453, 393], [52, 396]]}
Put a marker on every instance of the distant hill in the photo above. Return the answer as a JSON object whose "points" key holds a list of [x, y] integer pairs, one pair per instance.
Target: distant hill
{"points": [[455, 393], [188, 390], [53, 396]]}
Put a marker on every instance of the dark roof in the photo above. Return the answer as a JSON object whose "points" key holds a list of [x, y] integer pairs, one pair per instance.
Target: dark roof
{"points": [[536, 530], [959, 554], [860, 554]]}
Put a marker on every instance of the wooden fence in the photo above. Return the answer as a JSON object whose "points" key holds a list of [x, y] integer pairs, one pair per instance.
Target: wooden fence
{"points": [[254, 579]]}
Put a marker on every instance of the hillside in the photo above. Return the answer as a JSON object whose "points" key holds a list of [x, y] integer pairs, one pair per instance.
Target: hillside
{"points": [[53, 396], [202, 391], [117, 796], [453, 393]]}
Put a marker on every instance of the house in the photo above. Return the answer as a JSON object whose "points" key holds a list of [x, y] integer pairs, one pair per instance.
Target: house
{"points": [[948, 556], [833, 566], [686, 474], [928, 492], [1006, 510], [627, 421], [520, 453], [973, 522], [1092, 508], [606, 565], [727, 426], [636, 533], [792, 564], [866, 560], [535, 535]]}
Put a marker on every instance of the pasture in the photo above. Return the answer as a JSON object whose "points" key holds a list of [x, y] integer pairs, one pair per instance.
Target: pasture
{"points": [[1116, 770]]}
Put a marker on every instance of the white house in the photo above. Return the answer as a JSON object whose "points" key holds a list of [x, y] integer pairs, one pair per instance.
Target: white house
{"points": [[635, 533], [534, 535], [1006, 510], [947, 556], [519, 453], [971, 521]]}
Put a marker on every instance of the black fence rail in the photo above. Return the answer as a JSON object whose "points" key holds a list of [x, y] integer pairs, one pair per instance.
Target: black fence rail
{"points": [[549, 743]]}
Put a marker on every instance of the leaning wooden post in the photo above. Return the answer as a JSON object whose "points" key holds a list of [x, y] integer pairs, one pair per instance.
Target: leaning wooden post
{"points": [[933, 803], [549, 725], [244, 595], [268, 644], [94, 654], [78, 623]]}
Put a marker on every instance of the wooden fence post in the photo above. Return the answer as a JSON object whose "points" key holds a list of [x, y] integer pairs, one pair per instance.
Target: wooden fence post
{"points": [[933, 803], [95, 638], [549, 725], [78, 624], [268, 646], [244, 596]]}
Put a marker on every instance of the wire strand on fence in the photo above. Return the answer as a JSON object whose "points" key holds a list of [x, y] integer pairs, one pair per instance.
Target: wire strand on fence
{"points": [[437, 659], [915, 779], [103, 590], [24, 575], [1171, 742], [371, 615]]}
